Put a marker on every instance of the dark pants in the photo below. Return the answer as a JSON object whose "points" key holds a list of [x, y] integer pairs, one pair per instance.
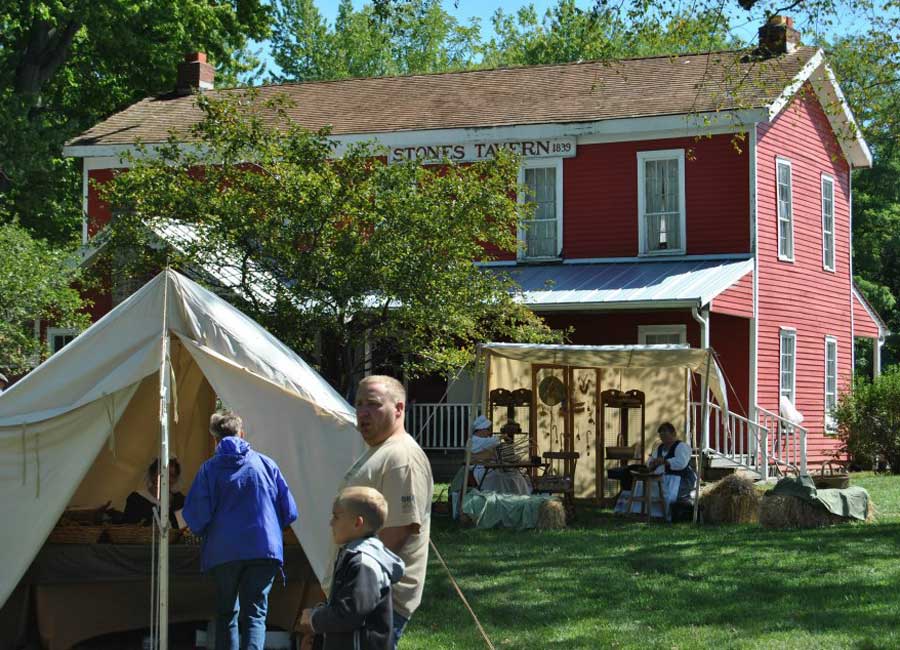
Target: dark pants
{"points": [[242, 599], [399, 625]]}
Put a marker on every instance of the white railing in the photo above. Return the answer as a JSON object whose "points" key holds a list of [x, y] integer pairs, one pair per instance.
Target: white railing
{"points": [[440, 426], [785, 444], [729, 435], [770, 445]]}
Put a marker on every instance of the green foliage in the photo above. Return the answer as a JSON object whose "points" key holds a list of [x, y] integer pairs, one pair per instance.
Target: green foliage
{"points": [[354, 250], [868, 419], [35, 283], [64, 66]]}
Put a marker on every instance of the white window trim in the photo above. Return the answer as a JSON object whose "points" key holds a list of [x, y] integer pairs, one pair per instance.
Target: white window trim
{"points": [[778, 163], [644, 330], [830, 427], [538, 163], [661, 154], [828, 177], [59, 331], [792, 332]]}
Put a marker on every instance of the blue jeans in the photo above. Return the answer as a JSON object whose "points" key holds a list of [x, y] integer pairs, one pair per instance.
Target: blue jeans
{"points": [[242, 599], [400, 622]]}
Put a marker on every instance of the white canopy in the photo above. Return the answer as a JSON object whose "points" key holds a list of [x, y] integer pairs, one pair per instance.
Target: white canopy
{"points": [[82, 428]]}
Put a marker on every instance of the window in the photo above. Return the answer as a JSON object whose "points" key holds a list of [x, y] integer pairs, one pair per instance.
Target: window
{"points": [[662, 334], [58, 338], [541, 234], [828, 223], [830, 383], [788, 356], [661, 213], [785, 212]]}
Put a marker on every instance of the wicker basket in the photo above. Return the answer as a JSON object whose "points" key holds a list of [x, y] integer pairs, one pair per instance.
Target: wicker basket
{"points": [[134, 534], [832, 476], [67, 533]]}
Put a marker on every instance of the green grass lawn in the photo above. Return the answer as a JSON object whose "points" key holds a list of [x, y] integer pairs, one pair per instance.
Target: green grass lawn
{"points": [[609, 583]]}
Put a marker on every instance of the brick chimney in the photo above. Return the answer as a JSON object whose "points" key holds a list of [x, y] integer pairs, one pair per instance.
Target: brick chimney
{"points": [[194, 73], [778, 36]]}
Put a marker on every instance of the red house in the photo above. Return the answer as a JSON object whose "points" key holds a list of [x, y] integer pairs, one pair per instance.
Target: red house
{"points": [[700, 199]]}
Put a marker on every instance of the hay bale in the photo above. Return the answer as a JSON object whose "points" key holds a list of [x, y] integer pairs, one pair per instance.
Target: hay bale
{"points": [[778, 511], [733, 500], [551, 515]]}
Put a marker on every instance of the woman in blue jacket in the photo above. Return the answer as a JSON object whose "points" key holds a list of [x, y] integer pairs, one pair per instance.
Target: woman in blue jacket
{"points": [[239, 503]]}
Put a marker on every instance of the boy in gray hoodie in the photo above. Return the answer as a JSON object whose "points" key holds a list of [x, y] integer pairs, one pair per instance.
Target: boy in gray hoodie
{"points": [[358, 614]]}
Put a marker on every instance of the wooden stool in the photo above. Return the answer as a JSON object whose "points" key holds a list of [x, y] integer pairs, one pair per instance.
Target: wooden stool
{"points": [[646, 498]]}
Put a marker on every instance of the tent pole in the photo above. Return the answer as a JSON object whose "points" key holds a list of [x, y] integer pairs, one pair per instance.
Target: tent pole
{"points": [[705, 392], [164, 388], [476, 385]]}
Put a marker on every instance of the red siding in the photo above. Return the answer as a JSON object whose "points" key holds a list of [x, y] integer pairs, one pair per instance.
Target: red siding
{"points": [[98, 211], [801, 294], [600, 194], [737, 300], [729, 336], [863, 324], [620, 327]]}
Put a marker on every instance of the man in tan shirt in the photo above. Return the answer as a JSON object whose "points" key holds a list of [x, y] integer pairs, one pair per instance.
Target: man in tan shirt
{"points": [[396, 466]]}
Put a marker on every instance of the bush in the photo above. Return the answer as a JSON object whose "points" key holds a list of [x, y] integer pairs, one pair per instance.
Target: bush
{"points": [[868, 419]]}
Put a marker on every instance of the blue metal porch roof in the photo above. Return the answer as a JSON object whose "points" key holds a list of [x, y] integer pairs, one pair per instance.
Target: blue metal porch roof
{"points": [[678, 283]]}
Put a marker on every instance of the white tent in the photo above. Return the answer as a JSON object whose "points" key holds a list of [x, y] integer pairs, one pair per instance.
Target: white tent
{"points": [[82, 428]]}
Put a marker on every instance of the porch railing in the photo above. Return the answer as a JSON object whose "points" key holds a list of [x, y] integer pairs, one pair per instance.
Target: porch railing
{"points": [[770, 445], [440, 426]]}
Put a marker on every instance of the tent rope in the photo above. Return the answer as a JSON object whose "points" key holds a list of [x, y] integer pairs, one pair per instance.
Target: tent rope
{"points": [[37, 464], [459, 592], [24, 454], [154, 607], [110, 415], [173, 388]]}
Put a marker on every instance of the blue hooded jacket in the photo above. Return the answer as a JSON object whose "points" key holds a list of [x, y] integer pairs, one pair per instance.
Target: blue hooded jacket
{"points": [[239, 503]]}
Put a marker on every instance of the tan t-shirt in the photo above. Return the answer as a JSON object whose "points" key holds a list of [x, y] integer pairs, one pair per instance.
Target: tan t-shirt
{"points": [[399, 469]]}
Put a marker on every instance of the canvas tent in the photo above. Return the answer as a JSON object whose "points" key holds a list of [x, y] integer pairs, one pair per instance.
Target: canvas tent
{"points": [[668, 376], [82, 427]]}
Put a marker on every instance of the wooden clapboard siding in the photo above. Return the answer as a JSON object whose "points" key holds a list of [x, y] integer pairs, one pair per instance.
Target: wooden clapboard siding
{"points": [[801, 294], [737, 300], [600, 197], [863, 323]]}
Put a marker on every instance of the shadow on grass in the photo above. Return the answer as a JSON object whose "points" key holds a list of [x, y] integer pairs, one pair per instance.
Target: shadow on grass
{"points": [[619, 583]]}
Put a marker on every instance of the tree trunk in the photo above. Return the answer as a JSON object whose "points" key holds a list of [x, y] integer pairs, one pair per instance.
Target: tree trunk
{"points": [[47, 49]]}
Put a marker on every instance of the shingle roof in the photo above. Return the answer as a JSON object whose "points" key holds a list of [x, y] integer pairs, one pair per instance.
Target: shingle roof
{"points": [[566, 93]]}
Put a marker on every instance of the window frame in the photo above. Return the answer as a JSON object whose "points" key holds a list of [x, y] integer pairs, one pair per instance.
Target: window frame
{"points": [[779, 162], [59, 331], [521, 234], [645, 330], [787, 332], [829, 425], [825, 265], [660, 154]]}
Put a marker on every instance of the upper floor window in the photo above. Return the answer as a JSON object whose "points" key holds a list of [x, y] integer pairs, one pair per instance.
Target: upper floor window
{"points": [[785, 212], [662, 334], [58, 338], [661, 213], [828, 223], [787, 366], [830, 382], [541, 233]]}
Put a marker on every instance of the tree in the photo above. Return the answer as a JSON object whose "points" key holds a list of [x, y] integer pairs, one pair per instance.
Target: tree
{"points": [[868, 420], [35, 284], [67, 64], [417, 36], [336, 254]]}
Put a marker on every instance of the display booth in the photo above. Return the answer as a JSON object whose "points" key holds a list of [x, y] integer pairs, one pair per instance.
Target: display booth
{"points": [[82, 428], [604, 403]]}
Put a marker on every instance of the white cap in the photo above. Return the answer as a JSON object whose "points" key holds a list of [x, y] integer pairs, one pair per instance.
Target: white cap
{"points": [[480, 423]]}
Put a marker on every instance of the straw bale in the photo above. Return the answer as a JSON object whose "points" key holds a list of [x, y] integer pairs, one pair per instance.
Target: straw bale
{"points": [[551, 514], [733, 500], [779, 511]]}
